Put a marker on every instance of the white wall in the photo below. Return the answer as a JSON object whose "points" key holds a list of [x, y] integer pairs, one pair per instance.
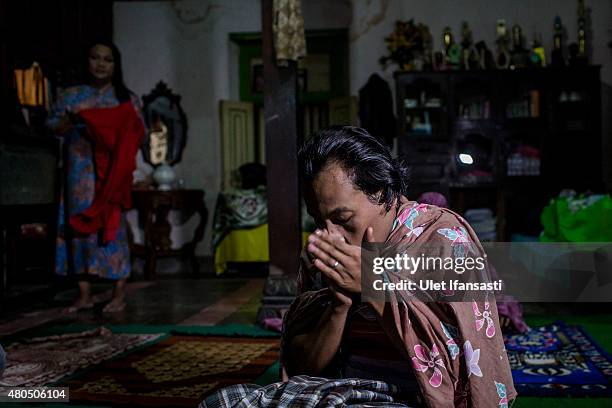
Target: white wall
{"points": [[186, 44]]}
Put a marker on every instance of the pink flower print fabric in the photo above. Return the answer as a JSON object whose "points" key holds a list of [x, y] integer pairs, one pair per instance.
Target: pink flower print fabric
{"points": [[482, 317], [426, 361]]}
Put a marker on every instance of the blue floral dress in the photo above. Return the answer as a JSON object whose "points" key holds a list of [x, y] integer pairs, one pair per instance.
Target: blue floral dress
{"points": [[85, 254]]}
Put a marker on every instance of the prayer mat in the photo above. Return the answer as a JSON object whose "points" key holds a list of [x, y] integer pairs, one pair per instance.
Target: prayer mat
{"points": [[559, 360], [177, 371], [44, 360]]}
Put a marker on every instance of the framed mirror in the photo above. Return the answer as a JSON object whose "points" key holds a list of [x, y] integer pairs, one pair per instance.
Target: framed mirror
{"points": [[166, 126]]}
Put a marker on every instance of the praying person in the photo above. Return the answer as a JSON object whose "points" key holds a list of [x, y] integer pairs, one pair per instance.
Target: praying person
{"points": [[338, 349]]}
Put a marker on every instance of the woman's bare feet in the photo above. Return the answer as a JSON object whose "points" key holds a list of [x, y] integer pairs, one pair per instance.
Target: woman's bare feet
{"points": [[80, 304], [85, 301], [117, 304]]}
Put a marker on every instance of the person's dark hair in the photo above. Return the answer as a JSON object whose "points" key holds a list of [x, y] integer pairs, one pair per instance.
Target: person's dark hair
{"points": [[121, 91], [366, 160]]}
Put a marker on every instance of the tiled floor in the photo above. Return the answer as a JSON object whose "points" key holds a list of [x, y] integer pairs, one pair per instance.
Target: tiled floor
{"points": [[206, 302]]}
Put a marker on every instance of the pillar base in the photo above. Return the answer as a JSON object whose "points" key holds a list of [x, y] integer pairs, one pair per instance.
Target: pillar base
{"points": [[278, 293]]}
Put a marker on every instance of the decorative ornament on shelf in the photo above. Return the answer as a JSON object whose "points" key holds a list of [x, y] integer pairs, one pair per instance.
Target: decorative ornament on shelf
{"points": [[537, 56], [502, 57], [485, 56], [470, 57], [438, 61], [582, 44], [578, 52], [409, 46], [558, 38], [164, 176], [452, 50], [447, 38], [427, 48], [520, 55]]}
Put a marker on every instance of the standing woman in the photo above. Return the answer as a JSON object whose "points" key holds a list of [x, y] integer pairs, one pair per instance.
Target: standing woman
{"points": [[87, 254]]}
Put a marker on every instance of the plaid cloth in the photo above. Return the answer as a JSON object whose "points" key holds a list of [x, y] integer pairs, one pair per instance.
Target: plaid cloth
{"points": [[304, 391]]}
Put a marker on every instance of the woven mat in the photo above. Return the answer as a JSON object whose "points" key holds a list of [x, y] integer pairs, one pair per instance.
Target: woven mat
{"points": [[177, 371]]}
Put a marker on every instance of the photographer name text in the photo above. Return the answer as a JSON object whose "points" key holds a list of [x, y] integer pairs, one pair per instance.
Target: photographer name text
{"points": [[432, 285]]}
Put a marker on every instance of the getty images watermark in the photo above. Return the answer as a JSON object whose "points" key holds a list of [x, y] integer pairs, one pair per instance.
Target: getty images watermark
{"points": [[407, 264], [530, 272]]}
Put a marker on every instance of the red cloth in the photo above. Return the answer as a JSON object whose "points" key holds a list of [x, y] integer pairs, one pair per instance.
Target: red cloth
{"points": [[116, 134]]}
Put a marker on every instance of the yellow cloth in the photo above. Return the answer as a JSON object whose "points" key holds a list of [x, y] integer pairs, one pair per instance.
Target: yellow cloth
{"points": [[245, 245], [31, 86]]}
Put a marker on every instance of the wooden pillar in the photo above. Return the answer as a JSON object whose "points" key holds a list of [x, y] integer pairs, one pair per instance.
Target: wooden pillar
{"points": [[284, 229]]}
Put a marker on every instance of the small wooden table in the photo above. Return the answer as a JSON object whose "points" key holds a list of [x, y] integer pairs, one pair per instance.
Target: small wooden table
{"points": [[153, 207]]}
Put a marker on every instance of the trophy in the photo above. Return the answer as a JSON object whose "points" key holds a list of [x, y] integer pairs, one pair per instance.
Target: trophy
{"points": [[485, 56], [573, 58], [427, 48], [452, 51], [447, 38], [579, 53], [557, 52], [469, 57], [537, 57], [502, 57], [438, 61], [581, 28], [520, 56]]}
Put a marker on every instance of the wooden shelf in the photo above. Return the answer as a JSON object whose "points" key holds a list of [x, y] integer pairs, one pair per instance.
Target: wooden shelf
{"points": [[425, 108], [555, 132], [467, 186]]}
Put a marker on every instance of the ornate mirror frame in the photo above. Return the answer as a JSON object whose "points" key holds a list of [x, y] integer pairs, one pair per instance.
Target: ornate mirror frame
{"points": [[168, 132]]}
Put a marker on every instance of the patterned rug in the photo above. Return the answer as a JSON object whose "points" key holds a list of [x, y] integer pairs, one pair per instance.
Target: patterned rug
{"points": [[559, 360], [178, 371], [43, 360]]}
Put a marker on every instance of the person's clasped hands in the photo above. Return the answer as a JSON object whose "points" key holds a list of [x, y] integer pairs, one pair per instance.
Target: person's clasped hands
{"points": [[338, 260]]}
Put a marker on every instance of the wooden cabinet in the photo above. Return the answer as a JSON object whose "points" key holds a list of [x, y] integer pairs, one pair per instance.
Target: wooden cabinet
{"points": [[153, 207], [506, 139], [29, 196]]}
